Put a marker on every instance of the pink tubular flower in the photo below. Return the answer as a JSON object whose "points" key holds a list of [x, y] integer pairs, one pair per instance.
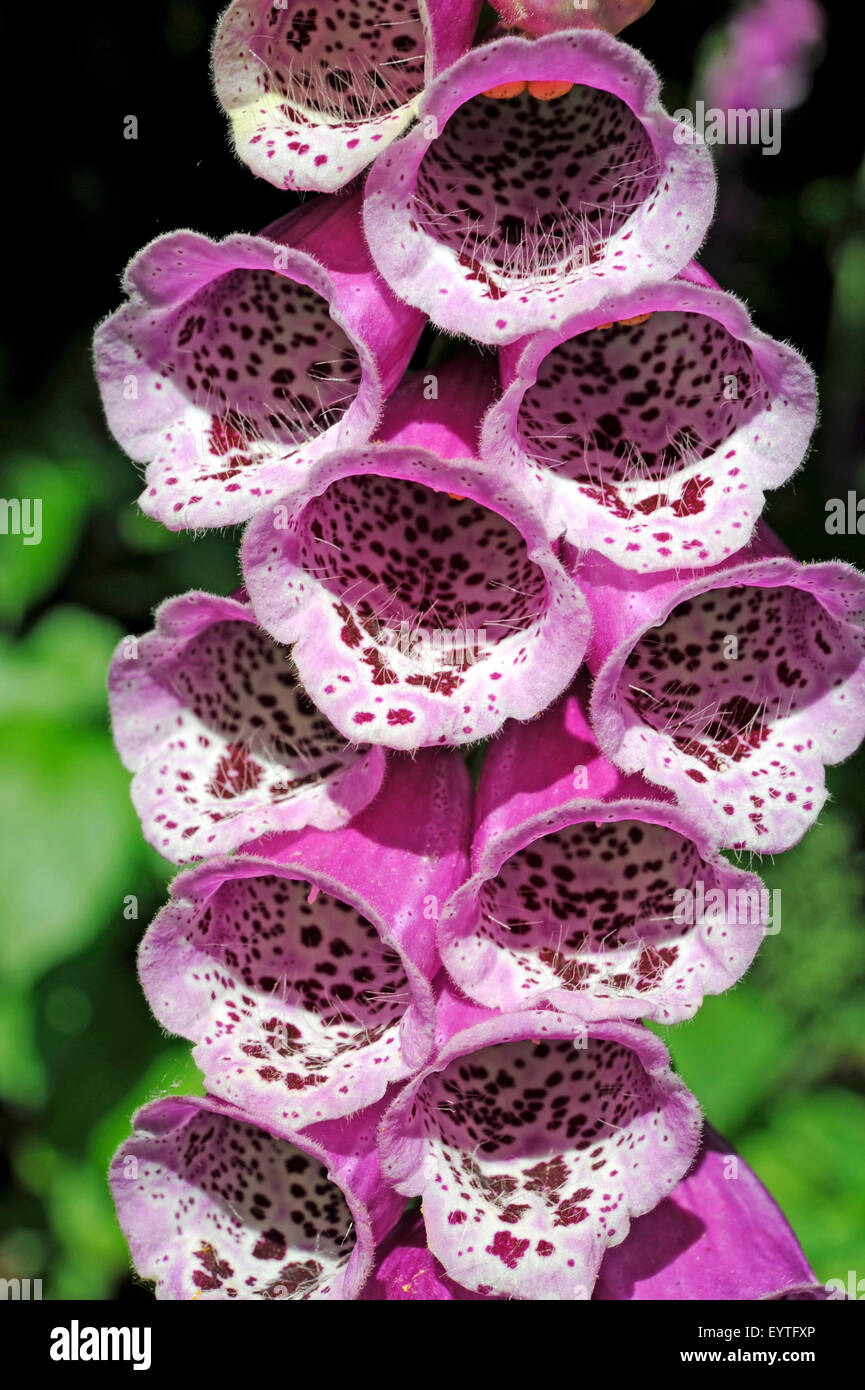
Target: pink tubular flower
{"points": [[592, 892], [767, 56], [501, 218], [546, 16], [301, 970], [732, 686], [657, 434], [424, 600], [719, 1235], [216, 1207], [314, 92], [532, 1150], [224, 743], [234, 364]]}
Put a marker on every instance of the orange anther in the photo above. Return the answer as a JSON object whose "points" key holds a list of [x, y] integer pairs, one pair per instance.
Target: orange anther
{"points": [[457, 496], [638, 318], [548, 91], [506, 90]]}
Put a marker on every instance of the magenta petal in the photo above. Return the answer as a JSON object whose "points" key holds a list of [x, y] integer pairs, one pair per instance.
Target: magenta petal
{"points": [[234, 364], [406, 1271], [418, 617], [733, 686], [465, 215], [658, 440], [765, 60], [533, 1144], [224, 743], [720, 1235], [314, 95], [217, 1207], [593, 892], [302, 970]]}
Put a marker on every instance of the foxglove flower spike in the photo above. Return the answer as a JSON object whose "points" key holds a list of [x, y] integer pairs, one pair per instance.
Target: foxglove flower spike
{"points": [[765, 60]]}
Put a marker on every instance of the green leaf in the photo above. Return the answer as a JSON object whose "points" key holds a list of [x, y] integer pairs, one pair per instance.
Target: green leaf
{"points": [[92, 1249], [172, 1072], [29, 571], [733, 1055], [809, 1156], [60, 668], [822, 885], [23, 1079], [70, 843]]}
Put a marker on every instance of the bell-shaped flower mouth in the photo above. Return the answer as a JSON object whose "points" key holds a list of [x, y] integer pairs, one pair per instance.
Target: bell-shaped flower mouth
{"points": [[235, 363], [659, 420], [504, 217], [293, 999], [301, 970], [719, 1235], [532, 1148], [733, 687], [224, 742], [424, 600], [592, 892], [314, 91], [216, 1207]]}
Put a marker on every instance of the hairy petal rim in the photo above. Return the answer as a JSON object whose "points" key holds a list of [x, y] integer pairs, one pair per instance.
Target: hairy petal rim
{"points": [[351, 571], [658, 436], [732, 687], [512, 260], [530, 1214], [216, 1207], [233, 364], [223, 741], [311, 105]]}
